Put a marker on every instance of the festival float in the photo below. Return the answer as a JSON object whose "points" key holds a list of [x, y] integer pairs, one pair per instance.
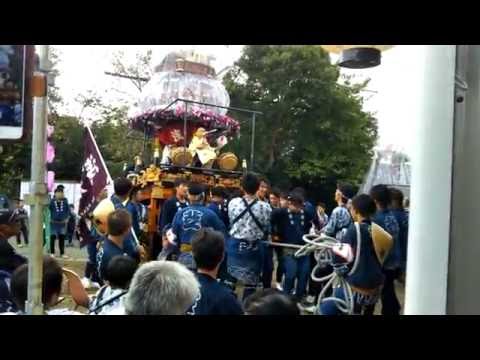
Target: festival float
{"points": [[183, 113]]}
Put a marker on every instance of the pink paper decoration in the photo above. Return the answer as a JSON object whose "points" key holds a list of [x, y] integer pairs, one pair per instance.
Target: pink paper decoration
{"points": [[50, 180], [50, 153]]}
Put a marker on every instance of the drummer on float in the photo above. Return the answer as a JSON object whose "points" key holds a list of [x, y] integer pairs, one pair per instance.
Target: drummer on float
{"points": [[199, 146]]}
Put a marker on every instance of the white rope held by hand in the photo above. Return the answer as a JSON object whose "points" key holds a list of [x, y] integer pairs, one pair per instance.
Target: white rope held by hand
{"points": [[322, 246]]}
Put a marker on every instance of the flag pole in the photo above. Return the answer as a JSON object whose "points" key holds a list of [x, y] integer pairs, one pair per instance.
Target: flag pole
{"points": [[109, 178]]}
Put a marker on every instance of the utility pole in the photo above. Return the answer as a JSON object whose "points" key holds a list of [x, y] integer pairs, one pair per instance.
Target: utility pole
{"points": [[38, 198]]}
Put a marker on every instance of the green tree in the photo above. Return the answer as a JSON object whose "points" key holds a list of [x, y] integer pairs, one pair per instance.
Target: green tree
{"points": [[15, 158], [114, 139], [14, 166], [68, 143], [313, 128]]}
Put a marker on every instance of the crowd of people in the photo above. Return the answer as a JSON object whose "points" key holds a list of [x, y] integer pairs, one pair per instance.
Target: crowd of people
{"points": [[233, 254]]}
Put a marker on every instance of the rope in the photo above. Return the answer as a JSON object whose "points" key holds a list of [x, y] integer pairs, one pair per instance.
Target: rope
{"points": [[321, 245]]}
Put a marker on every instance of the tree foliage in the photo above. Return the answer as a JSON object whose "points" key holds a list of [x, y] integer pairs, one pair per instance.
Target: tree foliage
{"points": [[15, 158], [68, 143], [114, 139], [313, 129]]}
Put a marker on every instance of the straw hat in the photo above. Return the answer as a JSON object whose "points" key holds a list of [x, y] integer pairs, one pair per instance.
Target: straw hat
{"points": [[382, 242]]}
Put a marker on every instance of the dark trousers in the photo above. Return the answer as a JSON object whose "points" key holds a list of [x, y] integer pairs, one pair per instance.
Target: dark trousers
{"points": [[156, 248], [296, 269], [390, 303], [280, 269], [70, 237], [267, 271], [314, 287], [91, 265], [24, 232], [61, 244]]}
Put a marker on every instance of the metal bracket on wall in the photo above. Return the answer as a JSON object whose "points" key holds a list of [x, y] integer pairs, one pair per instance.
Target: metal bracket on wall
{"points": [[460, 83]]}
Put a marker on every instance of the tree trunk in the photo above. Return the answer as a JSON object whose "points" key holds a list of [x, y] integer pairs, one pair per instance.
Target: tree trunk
{"points": [[271, 150]]}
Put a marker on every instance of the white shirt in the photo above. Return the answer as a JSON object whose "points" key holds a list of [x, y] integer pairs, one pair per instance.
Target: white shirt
{"points": [[112, 308], [245, 228]]}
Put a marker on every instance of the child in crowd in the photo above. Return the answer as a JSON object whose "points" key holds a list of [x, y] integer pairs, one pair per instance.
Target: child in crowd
{"points": [[119, 227], [119, 274], [52, 287], [109, 299]]}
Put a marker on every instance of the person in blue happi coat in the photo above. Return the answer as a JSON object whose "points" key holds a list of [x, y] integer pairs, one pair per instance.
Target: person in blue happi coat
{"points": [[290, 225], [208, 248], [361, 267], [121, 200], [385, 218], [191, 219], [59, 215], [219, 204], [401, 215]]}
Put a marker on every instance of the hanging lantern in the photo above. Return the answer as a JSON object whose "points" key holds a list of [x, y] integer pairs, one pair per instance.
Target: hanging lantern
{"points": [[358, 56]]}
